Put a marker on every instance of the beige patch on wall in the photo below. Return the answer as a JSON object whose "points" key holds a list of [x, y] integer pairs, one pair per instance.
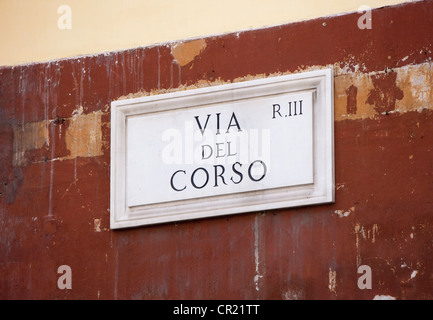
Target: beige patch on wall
{"points": [[84, 135], [342, 83], [185, 52], [31, 136], [416, 81]]}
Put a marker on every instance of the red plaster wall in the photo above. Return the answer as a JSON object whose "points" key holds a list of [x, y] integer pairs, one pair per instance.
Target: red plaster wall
{"points": [[54, 181]]}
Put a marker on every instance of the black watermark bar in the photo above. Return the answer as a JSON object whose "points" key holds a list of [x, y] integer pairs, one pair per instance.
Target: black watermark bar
{"points": [[198, 309]]}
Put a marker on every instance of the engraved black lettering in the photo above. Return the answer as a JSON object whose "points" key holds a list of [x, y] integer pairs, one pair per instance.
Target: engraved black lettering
{"points": [[219, 175], [264, 170], [233, 118], [199, 124], [193, 176], [275, 110], [172, 178], [237, 173]]}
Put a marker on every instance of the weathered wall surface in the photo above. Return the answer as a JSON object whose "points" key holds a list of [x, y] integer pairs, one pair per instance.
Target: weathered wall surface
{"points": [[55, 160]]}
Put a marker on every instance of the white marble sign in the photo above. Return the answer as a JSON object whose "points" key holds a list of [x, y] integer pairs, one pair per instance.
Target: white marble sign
{"points": [[255, 145]]}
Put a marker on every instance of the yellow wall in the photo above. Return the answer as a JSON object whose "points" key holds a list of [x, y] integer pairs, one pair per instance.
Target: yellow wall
{"points": [[29, 29]]}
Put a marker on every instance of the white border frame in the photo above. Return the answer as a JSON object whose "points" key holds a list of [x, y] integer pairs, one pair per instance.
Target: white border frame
{"points": [[322, 190]]}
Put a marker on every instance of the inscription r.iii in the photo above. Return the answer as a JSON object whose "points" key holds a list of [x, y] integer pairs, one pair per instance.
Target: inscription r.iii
{"points": [[292, 106]]}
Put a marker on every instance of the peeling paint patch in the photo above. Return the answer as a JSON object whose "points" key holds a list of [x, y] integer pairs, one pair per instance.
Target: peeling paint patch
{"points": [[417, 83], [363, 84], [351, 92], [332, 280], [185, 52], [383, 297], [84, 135], [401, 90], [339, 186], [362, 233], [30, 136], [385, 93], [294, 294], [366, 234], [257, 276], [97, 225], [344, 213]]}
